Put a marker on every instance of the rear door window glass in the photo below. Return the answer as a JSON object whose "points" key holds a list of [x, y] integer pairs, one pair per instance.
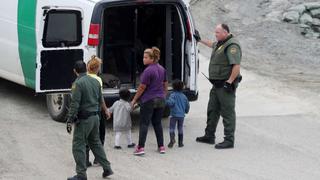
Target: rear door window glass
{"points": [[62, 28]]}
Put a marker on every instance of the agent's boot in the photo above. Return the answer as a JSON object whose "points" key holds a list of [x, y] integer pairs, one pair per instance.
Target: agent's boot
{"points": [[180, 140], [76, 177], [225, 145], [107, 172], [172, 140], [206, 139]]}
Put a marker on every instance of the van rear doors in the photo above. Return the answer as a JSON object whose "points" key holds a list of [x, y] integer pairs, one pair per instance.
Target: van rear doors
{"points": [[193, 57], [128, 27], [60, 47]]}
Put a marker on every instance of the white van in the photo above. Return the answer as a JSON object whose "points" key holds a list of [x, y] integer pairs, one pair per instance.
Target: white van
{"points": [[41, 40]]}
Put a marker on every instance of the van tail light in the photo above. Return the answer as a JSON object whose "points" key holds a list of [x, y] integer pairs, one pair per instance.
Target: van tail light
{"points": [[93, 38], [189, 34]]}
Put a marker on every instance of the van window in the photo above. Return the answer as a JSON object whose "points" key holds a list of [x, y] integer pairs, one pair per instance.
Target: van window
{"points": [[62, 28]]}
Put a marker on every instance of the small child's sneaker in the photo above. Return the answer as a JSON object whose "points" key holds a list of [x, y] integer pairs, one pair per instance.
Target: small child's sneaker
{"points": [[162, 150], [139, 151]]}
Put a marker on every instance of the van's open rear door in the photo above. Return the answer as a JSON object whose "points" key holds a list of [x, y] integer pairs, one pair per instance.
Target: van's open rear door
{"points": [[193, 54], [60, 47]]}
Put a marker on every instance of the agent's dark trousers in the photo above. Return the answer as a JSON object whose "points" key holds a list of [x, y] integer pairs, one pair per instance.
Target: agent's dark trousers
{"points": [[221, 103], [149, 113], [102, 133], [86, 132]]}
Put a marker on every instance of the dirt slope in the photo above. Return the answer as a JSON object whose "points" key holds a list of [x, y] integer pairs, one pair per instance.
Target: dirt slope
{"points": [[270, 46]]}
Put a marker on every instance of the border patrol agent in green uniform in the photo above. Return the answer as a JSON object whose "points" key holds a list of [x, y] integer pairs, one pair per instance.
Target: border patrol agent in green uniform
{"points": [[224, 74], [83, 113]]}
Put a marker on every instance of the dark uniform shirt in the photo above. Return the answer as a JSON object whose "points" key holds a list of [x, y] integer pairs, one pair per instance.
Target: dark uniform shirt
{"points": [[86, 96]]}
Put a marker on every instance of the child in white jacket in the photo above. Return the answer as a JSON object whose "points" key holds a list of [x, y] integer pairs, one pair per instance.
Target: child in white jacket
{"points": [[121, 110]]}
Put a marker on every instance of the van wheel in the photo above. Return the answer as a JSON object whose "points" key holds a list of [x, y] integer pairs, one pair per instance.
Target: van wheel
{"points": [[58, 105], [166, 112]]}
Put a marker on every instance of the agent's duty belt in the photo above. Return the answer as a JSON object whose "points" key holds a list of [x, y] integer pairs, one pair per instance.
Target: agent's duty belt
{"points": [[86, 114], [220, 83], [217, 83]]}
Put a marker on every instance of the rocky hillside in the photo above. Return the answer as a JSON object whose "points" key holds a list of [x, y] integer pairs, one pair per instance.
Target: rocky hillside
{"points": [[270, 46], [308, 16]]}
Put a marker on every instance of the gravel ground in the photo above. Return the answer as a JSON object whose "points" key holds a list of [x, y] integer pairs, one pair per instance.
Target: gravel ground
{"points": [[276, 139]]}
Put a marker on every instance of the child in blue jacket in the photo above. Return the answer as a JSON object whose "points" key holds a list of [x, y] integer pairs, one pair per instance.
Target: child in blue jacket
{"points": [[179, 106]]}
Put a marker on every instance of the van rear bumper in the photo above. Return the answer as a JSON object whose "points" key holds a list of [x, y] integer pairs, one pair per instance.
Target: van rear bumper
{"points": [[111, 98]]}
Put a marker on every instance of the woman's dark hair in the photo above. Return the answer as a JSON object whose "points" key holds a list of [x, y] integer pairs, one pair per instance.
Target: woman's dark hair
{"points": [[80, 67], [225, 27], [177, 85], [124, 94]]}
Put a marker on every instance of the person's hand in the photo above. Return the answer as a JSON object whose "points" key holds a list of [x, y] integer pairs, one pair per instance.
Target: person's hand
{"points": [[135, 106], [197, 37], [108, 115], [228, 87], [69, 127]]}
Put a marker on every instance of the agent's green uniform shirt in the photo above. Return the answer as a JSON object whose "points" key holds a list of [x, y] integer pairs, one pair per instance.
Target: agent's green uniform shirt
{"points": [[86, 95]]}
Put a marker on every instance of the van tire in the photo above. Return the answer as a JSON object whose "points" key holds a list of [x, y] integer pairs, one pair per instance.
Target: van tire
{"points": [[58, 105], [166, 112]]}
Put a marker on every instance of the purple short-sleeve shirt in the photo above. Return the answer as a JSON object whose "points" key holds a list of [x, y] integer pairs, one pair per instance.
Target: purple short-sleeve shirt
{"points": [[153, 77]]}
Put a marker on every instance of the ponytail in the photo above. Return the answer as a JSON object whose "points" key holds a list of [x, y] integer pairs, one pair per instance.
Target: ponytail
{"points": [[94, 64], [154, 53]]}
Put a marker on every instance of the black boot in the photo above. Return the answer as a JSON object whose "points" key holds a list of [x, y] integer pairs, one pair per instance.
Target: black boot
{"points": [[180, 139], [225, 145], [89, 164], [206, 139], [107, 173], [76, 177], [172, 140]]}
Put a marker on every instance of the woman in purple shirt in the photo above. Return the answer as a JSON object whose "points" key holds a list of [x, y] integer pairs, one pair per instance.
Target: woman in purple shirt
{"points": [[151, 93]]}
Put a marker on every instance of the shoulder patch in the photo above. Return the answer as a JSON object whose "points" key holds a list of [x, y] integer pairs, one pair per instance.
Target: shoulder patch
{"points": [[233, 50]]}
